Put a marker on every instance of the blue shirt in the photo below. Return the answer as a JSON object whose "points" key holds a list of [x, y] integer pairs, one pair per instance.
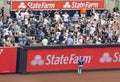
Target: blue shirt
{"points": [[69, 41], [80, 62]]}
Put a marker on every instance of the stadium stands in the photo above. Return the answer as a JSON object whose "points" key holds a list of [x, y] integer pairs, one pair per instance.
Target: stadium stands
{"points": [[33, 29]]}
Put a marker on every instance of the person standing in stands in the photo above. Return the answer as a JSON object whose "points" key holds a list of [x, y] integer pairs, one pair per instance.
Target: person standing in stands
{"points": [[80, 65], [83, 12]]}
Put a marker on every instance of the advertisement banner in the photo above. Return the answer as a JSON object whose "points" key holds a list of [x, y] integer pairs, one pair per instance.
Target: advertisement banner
{"points": [[56, 4], [8, 61], [67, 59]]}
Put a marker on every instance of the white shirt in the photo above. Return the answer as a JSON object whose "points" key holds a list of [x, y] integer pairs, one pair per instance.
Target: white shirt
{"points": [[57, 17], [76, 17], [17, 14], [92, 30], [26, 14], [96, 16], [22, 15], [58, 34], [6, 32], [77, 41], [102, 22], [26, 21], [118, 39], [66, 17], [45, 42], [45, 22]]}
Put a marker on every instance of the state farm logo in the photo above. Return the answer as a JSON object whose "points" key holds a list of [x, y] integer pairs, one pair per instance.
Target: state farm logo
{"points": [[58, 60], [37, 5], [67, 5], [106, 58], [37, 61], [79, 4], [22, 5]]}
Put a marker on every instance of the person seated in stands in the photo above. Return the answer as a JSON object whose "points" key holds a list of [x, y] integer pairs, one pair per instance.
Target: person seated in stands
{"points": [[1, 42], [115, 9], [45, 41]]}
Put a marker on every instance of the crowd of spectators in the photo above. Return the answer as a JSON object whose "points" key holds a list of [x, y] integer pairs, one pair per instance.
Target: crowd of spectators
{"points": [[33, 29]]}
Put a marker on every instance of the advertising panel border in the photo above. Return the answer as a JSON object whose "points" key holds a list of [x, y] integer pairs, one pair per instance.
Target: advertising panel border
{"points": [[26, 49], [56, 5], [8, 59]]}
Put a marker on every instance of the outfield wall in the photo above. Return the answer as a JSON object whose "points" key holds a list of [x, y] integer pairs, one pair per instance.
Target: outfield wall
{"points": [[8, 60], [58, 58], [65, 58]]}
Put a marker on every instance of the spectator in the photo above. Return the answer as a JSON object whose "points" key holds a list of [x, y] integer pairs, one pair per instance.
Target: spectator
{"points": [[70, 40], [66, 17], [1, 43], [96, 16], [83, 12], [45, 41], [57, 17], [29, 29], [76, 17], [92, 12], [118, 39], [115, 9]]}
